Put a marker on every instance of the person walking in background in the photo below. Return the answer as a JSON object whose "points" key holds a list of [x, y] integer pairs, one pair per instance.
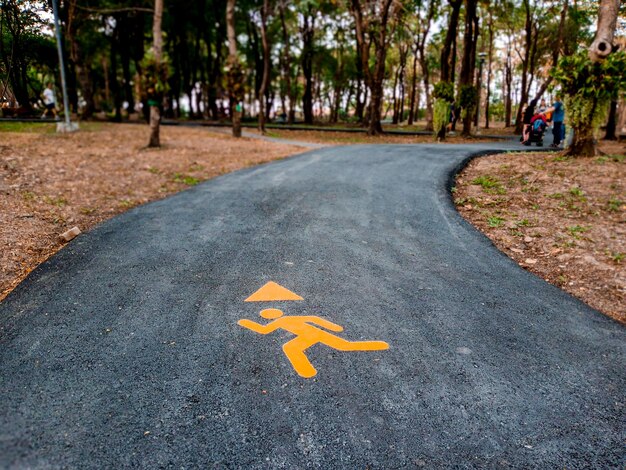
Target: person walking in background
{"points": [[558, 116], [49, 100]]}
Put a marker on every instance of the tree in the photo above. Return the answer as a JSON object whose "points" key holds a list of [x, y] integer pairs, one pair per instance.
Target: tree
{"points": [[371, 23], [467, 91], [157, 51], [235, 73], [589, 87], [289, 89], [265, 13], [602, 44], [22, 47]]}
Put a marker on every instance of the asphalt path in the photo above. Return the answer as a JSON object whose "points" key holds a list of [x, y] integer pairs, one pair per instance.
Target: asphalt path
{"points": [[124, 349]]}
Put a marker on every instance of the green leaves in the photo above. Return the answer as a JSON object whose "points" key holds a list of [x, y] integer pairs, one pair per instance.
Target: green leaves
{"points": [[154, 84], [588, 89], [577, 75], [444, 91], [468, 99]]}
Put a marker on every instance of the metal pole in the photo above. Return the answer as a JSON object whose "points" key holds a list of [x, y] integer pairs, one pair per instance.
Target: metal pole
{"points": [[57, 28]]}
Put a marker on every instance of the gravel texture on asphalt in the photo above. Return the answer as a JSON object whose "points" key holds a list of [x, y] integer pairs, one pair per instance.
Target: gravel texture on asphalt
{"points": [[123, 350]]}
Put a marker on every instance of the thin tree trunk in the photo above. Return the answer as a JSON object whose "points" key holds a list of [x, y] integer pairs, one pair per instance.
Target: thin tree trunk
{"points": [[266, 64], [490, 61], [115, 85], [447, 53], [508, 79], [611, 124], [469, 57], [286, 58], [413, 90], [157, 44], [235, 74], [395, 100], [528, 38], [308, 31]]}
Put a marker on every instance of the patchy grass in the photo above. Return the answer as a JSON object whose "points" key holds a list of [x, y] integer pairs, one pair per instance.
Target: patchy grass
{"points": [[571, 222], [51, 182]]}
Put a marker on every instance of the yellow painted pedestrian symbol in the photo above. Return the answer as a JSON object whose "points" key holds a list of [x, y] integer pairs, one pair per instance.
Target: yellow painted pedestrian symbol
{"points": [[308, 333], [272, 291]]}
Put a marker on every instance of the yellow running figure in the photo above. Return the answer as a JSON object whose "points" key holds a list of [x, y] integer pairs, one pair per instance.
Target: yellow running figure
{"points": [[306, 336]]}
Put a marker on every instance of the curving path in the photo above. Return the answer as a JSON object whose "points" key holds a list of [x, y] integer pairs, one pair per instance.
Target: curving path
{"points": [[124, 349]]}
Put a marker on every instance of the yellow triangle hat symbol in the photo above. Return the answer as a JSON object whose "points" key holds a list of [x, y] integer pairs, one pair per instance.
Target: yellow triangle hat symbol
{"points": [[272, 291]]}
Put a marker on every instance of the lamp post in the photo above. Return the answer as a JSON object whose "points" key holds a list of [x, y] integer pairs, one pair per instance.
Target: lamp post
{"points": [[67, 125], [481, 62]]}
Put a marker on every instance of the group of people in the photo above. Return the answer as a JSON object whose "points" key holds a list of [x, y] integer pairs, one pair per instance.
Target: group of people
{"points": [[536, 119]]}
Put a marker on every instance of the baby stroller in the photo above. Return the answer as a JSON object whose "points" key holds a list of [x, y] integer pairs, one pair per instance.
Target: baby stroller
{"points": [[537, 128]]}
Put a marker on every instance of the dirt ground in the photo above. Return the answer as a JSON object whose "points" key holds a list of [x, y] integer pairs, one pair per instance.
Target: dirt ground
{"points": [[339, 138], [560, 218], [50, 182]]}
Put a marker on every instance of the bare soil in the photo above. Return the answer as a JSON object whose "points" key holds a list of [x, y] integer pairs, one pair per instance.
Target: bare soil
{"points": [[339, 138], [50, 182], [560, 218]]}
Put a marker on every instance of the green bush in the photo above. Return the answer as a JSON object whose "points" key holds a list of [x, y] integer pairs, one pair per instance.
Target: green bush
{"points": [[441, 116], [154, 76], [468, 99], [444, 91], [588, 88]]}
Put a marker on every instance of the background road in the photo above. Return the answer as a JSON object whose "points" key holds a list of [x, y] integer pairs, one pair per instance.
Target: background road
{"points": [[124, 349]]}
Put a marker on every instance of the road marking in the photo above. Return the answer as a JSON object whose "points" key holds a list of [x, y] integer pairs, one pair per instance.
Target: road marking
{"points": [[307, 335], [272, 292]]}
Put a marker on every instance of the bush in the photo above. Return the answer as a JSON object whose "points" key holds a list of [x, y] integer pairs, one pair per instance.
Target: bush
{"points": [[444, 91], [468, 99]]}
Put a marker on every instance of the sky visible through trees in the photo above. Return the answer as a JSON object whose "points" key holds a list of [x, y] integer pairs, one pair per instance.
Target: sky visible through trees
{"points": [[312, 61]]}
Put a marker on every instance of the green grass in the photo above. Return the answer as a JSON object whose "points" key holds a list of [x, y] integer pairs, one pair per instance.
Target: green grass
{"points": [[577, 192], [490, 184], [576, 230], [55, 201], [617, 257], [185, 179], [614, 204], [28, 127], [44, 127], [495, 221]]}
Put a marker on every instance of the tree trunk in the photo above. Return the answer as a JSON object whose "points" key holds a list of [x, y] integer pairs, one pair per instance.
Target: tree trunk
{"points": [[83, 74], [395, 100], [413, 91], [429, 99], [602, 44], [528, 38], [115, 85], [125, 56], [583, 145], [490, 60], [308, 31], [266, 64], [469, 58], [447, 53], [508, 82], [286, 62], [378, 34], [157, 45], [235, 87], [611, 124]]}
